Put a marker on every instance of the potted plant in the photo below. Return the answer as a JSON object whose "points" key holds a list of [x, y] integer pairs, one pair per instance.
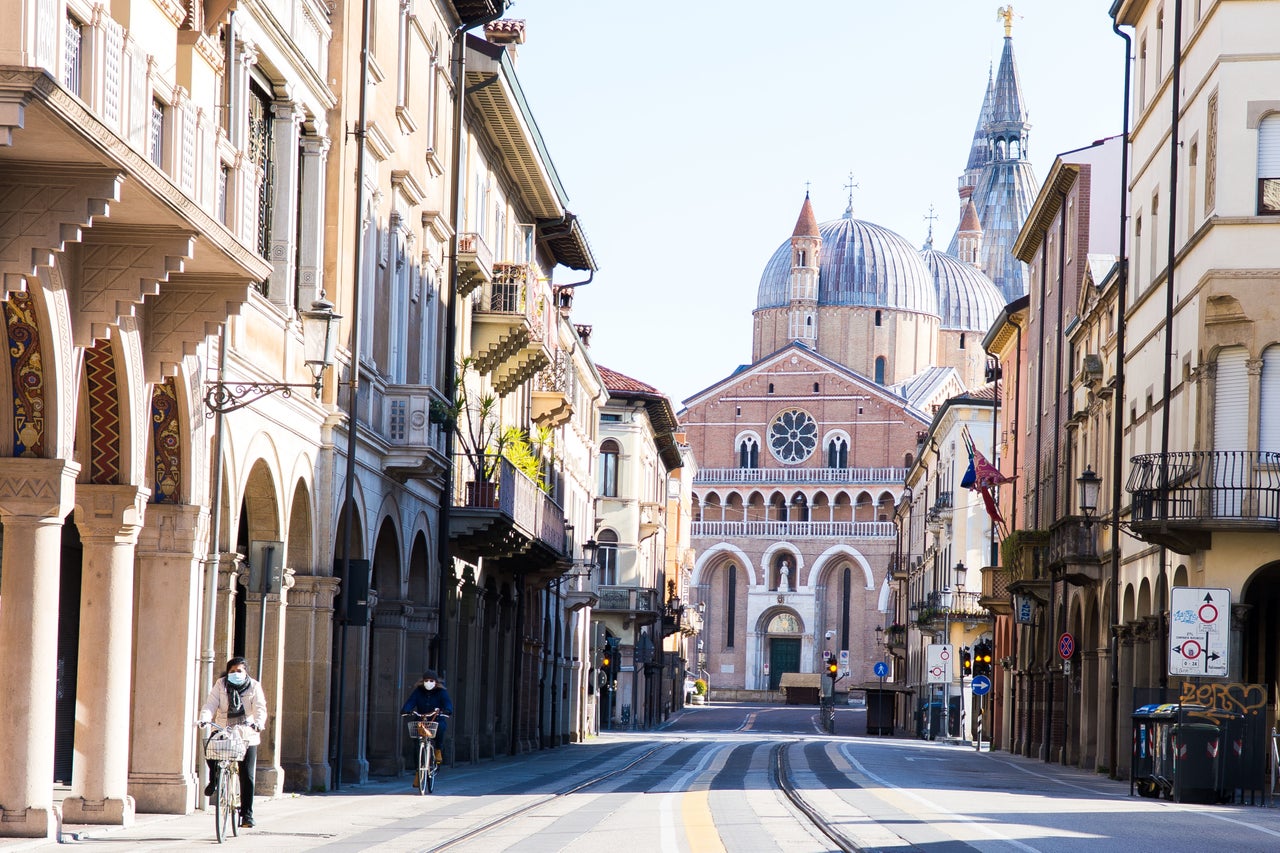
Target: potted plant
{"points": [[473, 417], [700, 692]]}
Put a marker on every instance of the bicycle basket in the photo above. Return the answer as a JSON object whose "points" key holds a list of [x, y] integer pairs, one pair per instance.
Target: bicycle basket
{"points": [[224, 746], [426, 729]]}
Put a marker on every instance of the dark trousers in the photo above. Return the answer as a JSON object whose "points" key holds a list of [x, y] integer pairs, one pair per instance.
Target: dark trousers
{"points": [[248, 765]]}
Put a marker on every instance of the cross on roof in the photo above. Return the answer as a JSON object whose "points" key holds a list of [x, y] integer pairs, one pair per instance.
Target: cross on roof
{"points": [[931, 217], [851, 186]]}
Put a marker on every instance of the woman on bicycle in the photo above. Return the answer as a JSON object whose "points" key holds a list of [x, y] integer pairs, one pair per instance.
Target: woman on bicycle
{"points": [[238, 701], [429, 695]]}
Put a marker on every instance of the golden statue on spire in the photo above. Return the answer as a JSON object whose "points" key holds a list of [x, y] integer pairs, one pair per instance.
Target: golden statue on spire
{"points": [[1006, 14]]}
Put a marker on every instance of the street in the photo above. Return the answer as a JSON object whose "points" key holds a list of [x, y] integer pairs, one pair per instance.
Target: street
{"points": [[719, 778]]}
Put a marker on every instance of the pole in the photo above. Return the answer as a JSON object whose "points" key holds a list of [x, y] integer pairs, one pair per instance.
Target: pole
{"points": [[268, 557], [946, 685]]}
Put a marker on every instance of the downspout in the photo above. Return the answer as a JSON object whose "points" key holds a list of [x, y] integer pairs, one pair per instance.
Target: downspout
{"points": [[449, 371], [1117, 424], [353, 387], [1061, 503], [1035, 504], [1174, 145]]}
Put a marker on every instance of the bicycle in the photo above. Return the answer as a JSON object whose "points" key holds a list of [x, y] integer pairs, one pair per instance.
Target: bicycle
{"points": [[227, 749], [423, 728]]}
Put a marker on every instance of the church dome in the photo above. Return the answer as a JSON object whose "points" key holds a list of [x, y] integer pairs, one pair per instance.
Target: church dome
{"points": [[967, 299], [860, 264]]}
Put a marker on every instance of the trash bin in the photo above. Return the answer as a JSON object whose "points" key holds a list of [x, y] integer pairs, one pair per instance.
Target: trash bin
{"points": [[1177, 754], [880, 707]]}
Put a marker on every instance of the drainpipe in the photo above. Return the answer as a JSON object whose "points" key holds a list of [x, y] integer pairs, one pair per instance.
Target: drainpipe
{"points": [[1117, 421], [1058, 405], [1174, 144], [1035, 504]]}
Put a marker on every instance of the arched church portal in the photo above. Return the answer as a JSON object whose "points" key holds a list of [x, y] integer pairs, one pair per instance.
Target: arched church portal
{"points": [[783, 637]]}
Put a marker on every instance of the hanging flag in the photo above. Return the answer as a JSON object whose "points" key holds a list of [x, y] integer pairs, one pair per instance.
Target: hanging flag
{"points": [[981, 476]]}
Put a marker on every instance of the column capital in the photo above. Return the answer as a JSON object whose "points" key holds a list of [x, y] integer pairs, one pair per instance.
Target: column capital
{"points": [[110, 512], [174, 529], [36, 489], [315, 146]]}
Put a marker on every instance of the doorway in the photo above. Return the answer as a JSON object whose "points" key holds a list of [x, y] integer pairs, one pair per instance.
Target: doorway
{"points": [[784, 656]]}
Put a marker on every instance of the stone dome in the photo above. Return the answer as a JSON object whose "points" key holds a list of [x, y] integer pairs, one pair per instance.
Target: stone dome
{"points": [[967, 299], [860, 264]]}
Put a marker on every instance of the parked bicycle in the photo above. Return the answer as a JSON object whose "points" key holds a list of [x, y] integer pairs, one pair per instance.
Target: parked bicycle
{"points": [[226, 749], [423, 728]]}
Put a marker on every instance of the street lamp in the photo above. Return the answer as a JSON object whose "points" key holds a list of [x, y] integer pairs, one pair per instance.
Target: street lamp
{"points": [[319, 340], [1088, 486]]}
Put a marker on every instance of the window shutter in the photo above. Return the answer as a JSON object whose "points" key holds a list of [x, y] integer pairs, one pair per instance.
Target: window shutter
{"points": [[1269, 403], [1231, 401], [1269, 147]]}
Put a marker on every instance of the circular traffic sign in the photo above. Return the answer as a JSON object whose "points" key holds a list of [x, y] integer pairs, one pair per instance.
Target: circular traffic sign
{"points": [[1208, 613], [1066, 646], [936, 671], [1190, 649], [881, 669], [981, 685], [945, 654]]}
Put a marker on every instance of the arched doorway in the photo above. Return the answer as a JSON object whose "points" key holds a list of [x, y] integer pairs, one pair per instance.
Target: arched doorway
{"points": [[783, 636]]}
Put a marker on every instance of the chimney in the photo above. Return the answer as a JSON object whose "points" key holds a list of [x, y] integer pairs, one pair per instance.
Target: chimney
{"points": [[507, 32]]}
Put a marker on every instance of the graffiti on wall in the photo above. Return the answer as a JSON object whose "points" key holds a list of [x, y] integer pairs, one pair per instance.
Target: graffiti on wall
{"points": [[1224, 700]]}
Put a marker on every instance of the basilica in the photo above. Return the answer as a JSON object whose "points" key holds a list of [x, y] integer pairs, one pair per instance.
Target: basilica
{"points": [[858, 338]]}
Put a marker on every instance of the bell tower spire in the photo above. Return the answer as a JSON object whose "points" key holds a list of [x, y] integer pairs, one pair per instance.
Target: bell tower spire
{"points": [[806, 246]]}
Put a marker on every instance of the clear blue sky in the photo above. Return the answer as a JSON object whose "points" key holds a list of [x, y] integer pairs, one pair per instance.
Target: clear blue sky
{"points": [[685, 131]]}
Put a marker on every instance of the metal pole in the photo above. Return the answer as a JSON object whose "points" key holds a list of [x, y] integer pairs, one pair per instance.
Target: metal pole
{"points": [[268, 557], [946, 685]]}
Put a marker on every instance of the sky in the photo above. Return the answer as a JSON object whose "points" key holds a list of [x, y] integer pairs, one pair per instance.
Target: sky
{"points": [[685, 132]]}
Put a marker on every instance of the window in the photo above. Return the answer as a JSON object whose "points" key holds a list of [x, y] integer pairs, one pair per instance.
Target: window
{"points": [[224, 180], [1269, 166], [1269, 402], [1211, 153], [793, 436], [609, 469], [880, 363], [770, 387], [156, 146], [611, 419], [877, 317], [731, 604], [73, 40], [838, 453], [816, 388], [962, 340], [260, 154], [749, 453], [607, 557]]}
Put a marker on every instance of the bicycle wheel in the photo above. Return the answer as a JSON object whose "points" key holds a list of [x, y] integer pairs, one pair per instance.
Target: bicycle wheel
{"points": [[432, 767], [424, 766], [233, 799], [222, 810]]}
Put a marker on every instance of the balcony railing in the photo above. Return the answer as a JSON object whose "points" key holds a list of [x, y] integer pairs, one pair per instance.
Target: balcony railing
{"points": [[511, 495], [628, 599], [841, 476], [417, 446], [1179, 498], [959, 606], [511, 333], [475, 262], [796, 529]]}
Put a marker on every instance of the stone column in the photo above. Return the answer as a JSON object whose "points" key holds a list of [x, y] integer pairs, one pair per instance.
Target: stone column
{"points": [[35, 496], [269, 781], [109, 519], [285, 124], [308, 667], [388, 685], [1125, 668], [354, 714], [167, 595], [230, 565], [315, 151]]}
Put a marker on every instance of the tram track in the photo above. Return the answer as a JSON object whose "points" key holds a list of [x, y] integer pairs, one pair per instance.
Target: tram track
{"points": [[780, 769], [493, 823]]}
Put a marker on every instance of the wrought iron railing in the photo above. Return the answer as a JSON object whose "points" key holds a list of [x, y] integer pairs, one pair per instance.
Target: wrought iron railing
{"points": [[1223, 485], [511, 492], [634, 599]]}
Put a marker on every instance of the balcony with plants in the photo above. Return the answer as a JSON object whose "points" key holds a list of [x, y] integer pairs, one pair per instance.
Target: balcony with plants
{"points": [[511, 329]]}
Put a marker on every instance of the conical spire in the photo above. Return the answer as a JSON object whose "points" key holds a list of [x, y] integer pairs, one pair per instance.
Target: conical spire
{"points": [[807, 224], [979, 149], [1006, 107]]}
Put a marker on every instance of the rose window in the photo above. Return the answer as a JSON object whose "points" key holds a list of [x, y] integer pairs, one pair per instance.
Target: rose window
{"points": [[792, 436]]}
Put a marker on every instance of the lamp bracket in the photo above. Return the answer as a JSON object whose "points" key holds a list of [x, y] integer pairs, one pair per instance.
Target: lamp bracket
{"points": [[223, 397]]}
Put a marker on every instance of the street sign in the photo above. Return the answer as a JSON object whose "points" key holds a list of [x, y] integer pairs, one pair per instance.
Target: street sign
{"points": [[981, 685], [881, 669], [844, 662], [938, 663], [1200, 631], [1066, 646]]}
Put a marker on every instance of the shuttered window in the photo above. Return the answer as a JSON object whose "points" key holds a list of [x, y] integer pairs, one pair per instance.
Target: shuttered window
{"points": [[1231, 401], [1269, 402], [1269, 166]]}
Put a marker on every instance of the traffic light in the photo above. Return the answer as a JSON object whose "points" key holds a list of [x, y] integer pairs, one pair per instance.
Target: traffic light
{"points": [[612, 662], [833, 668], [982, 658], [966, 662]]}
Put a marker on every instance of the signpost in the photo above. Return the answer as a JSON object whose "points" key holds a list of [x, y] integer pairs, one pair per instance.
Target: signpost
{"points": [[981, 686], [939, 662], [1200, 632], [844, 663]]}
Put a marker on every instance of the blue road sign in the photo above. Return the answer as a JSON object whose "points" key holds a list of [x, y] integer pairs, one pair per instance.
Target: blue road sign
{"points": [[881, 669], [981, 685]]}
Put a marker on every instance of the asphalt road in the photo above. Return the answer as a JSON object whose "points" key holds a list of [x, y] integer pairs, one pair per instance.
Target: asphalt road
{"points": [[717, 778]]}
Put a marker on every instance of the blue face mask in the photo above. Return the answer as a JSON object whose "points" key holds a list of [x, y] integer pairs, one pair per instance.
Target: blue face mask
{"points": [[237, 678]]}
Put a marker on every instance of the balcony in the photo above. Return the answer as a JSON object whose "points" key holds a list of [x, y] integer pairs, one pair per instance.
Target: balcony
{"points": [[511, 327], [1180, 499], [800, 476], [475, 262], [509, 522], [633, 602], [795, 529], [650, 519], [1073, 551], [416, 445], [553, 390], [995, 590], [963, 607]]}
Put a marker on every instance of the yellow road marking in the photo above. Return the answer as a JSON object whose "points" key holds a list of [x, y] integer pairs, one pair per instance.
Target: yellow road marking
{"points": [[699, 825]]}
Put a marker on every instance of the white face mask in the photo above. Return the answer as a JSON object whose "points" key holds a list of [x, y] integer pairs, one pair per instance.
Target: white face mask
{"points": [[237, 678], [430, 685]]}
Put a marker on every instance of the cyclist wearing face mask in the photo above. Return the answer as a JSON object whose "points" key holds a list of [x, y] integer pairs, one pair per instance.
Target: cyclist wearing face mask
{"points": [[237, 700], [429, 695]]}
